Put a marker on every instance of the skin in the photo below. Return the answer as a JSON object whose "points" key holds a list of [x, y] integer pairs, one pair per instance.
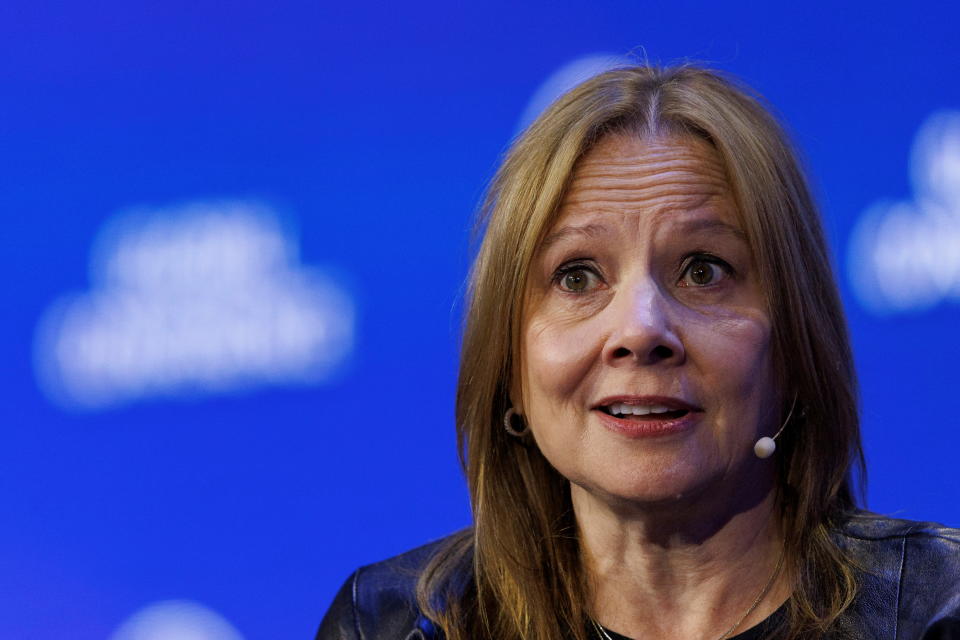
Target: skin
{"points": [[645, 286]]}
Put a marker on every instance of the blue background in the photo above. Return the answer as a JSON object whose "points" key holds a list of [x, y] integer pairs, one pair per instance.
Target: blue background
{"points": [[376, 128]]}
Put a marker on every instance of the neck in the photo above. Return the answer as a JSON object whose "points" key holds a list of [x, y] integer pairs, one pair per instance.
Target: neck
{"points": [[681, 570]]}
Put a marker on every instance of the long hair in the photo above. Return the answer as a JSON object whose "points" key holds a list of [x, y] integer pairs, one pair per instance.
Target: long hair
{"points": [[517, 573]]}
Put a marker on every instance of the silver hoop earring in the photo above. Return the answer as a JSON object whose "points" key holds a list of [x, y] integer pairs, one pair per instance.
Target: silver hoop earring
{"points": [[508, 424]]}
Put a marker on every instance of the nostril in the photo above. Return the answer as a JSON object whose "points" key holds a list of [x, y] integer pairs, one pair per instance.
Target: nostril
{"points": [[662, 353], [658, 353]]}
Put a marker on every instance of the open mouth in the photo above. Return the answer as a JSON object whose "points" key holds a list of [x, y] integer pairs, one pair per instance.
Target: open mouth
{"points": [[642, 412]]}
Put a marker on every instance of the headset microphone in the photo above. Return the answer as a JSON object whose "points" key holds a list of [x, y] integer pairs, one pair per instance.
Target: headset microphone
{"points": [[765, 446]]}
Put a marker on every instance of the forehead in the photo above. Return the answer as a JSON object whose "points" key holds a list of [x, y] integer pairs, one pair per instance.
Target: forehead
{"points": [[627, 174]]}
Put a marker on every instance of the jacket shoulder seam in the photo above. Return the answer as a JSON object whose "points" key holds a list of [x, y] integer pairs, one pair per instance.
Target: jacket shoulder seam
{"points": [[355, 598], [903, 564]]}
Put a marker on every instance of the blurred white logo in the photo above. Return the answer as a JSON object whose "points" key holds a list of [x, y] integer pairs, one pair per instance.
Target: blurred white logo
{"points": [[176, 620], [565, 78], [208, 297], [905, 255]]}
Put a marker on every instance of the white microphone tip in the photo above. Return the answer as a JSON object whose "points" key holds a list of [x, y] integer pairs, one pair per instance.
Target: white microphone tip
{"points": [[765, 447]]}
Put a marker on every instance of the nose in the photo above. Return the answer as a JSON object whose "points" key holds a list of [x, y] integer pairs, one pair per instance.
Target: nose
{"points": [[642, 328]]}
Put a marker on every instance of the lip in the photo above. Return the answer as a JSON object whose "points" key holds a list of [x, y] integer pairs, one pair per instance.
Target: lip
{"points": [[674, 404], [649, 427]]}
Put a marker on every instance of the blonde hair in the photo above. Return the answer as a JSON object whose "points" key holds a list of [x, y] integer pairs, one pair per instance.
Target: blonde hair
{"points": [[517, 573]]}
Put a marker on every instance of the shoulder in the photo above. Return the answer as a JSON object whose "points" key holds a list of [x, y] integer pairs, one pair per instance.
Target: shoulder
{"points": [[905, 547], [380, 600], [872, 526], [910, 571]]}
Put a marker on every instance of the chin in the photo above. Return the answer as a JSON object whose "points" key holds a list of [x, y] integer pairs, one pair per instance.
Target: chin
{"points": [[653, 488]]}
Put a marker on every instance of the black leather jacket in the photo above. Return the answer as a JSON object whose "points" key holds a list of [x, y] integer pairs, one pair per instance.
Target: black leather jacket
{"points": [[910, 587]]}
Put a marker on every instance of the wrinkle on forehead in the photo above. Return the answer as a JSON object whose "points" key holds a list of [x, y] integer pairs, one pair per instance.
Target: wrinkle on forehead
{"points": [[621, 169]]}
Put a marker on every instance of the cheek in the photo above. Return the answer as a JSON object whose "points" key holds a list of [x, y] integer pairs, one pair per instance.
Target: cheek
{"points": [[740, 341], [734, 357], [558, 358]]}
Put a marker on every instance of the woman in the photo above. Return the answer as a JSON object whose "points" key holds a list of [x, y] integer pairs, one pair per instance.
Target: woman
{"points": [[651, 307]]}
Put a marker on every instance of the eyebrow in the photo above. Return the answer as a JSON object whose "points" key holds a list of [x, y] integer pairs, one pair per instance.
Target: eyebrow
{"points": [[710, 225], [588, 230], [714, 226]]}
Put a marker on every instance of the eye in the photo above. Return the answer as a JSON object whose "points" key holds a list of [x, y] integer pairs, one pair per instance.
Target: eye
{"points": [[576, 278], [703, 271]]}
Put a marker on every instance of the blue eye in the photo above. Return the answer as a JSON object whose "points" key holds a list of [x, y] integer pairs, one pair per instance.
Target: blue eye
{"points": [[704, 271]]}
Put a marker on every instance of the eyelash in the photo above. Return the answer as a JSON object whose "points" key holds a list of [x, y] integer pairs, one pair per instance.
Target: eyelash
{"points": [[709, 258], [570, 267], [684, 266]]}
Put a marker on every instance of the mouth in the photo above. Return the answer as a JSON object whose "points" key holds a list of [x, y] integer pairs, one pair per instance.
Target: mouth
{"points": [[642, 412], [645, 408], [647, 416]]}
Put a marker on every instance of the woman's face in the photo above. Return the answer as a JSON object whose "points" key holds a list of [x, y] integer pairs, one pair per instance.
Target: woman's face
{"points": [[646, 370]]}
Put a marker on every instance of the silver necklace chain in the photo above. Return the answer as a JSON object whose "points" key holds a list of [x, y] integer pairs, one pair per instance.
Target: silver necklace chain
{"points": [[760, 596]]}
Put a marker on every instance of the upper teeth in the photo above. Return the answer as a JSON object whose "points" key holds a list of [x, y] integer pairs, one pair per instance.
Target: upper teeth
{"points": [[636, 409]]}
